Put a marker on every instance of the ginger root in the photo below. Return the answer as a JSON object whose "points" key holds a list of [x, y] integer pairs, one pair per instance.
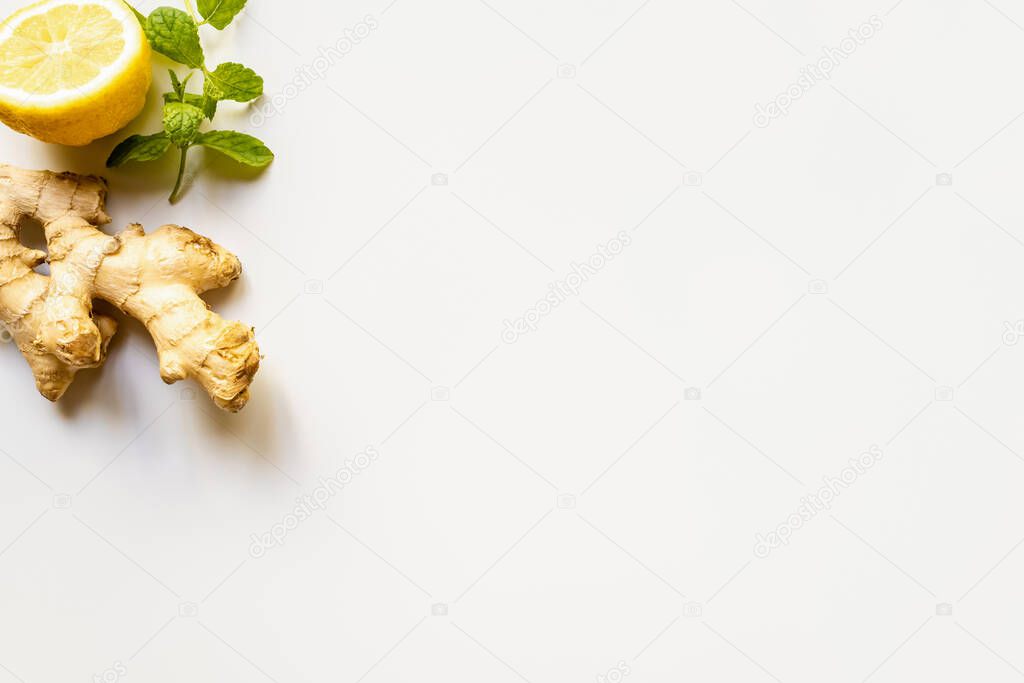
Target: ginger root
{"points": [[155, 278]]}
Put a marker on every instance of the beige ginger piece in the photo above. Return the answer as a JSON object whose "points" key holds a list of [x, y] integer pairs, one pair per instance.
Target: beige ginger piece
{"points": [[155, 278]]}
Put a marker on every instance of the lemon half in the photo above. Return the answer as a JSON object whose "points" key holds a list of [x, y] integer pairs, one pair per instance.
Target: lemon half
{"points": [[72, 72]]}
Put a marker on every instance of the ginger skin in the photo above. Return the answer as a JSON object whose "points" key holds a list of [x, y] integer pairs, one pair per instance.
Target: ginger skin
{"points": [[155, 278]]}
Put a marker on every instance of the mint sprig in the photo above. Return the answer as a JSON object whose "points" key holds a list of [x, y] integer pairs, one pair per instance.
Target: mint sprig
{"points": [[175, 34]]}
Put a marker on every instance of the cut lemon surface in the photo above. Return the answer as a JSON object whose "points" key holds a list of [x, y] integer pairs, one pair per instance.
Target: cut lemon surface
{"points": [[72, 71]]}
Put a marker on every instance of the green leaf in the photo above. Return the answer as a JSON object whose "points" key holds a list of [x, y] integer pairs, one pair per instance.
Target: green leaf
{"points": [[174, 34], [208, 105], [181, 122], [139, 148], [242, 148], [219, 13], [231, 81], [211, 90], [179, 89]]}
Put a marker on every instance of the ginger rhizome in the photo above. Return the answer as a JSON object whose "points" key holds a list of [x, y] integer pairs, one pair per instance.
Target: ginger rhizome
{"points": [[155, 278]]}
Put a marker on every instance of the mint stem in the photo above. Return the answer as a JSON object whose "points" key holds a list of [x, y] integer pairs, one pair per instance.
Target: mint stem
{"points": [[181, 175], [192, 12]]}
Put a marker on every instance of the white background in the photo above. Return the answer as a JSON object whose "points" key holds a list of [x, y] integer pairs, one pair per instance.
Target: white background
{"points": [[550, 509]]}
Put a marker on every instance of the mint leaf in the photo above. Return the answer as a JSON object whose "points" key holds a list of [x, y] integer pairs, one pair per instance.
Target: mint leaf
{"points": [[181, 122], [231, 81], [207, 104], [139, 148], [174, 34], [242, 148], [179, 89], [219, 13]]}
